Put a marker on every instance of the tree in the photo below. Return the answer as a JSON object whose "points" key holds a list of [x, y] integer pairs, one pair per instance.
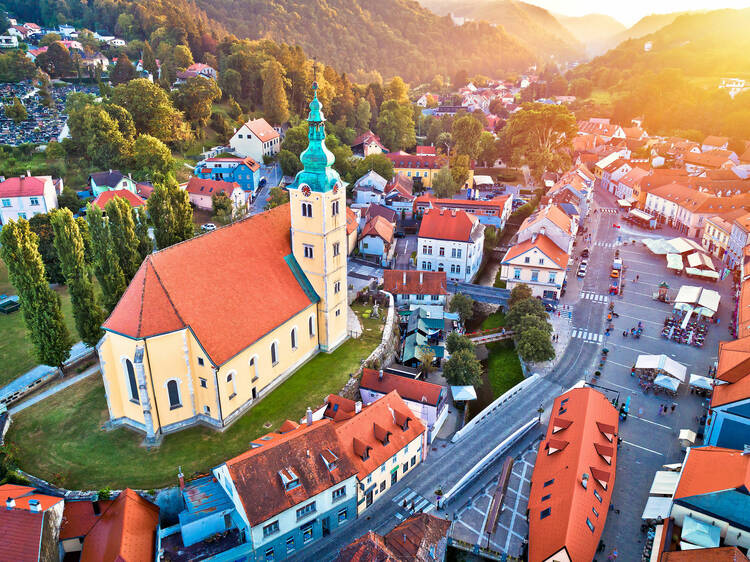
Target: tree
{"points": [[296, 140], [362, 115], [533, 344], [464, 305], [532, 321], [465, 133], [289, 163], [106, 265], [396, 125], [71, 252], [182, 57], [396, 90], [487, 151], [275, 102], [41, 226], [276, 197], [530, 306], [491, 237], [95, 134], [456, 342], [145, 244], [463, 369], [222, 208], [171, 214], [426, 356], [558, 86], [152, 158], [16, 111], [342, 154], [519, 293], [195, 98], [69, 199], [443, 184], [56, 61], [39, 303], [123, 72], [231, 83], [151, 108], [122, 227], [460, 79], [379, 163], [581, 87], [460, 169], [149, 60]]}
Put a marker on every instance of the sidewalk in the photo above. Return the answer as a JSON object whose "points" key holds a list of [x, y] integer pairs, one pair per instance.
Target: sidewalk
{"points": [[54, 390]]}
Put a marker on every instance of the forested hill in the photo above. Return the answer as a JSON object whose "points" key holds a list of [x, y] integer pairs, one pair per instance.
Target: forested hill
{"points": [[533, 26], [390, 36], [645, 26], [595, 31]]}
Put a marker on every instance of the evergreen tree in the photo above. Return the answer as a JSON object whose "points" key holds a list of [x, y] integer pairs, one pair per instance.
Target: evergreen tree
{"points": [[170, 213], [275, 103], [145, 244], [40, 304], [124, 239], [106, 265], [71, 251], [149, 60], [123, 72], [362, 115]]}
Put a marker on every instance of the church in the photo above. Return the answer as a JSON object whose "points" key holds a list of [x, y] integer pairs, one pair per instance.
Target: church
{"points": [[209, 326]]}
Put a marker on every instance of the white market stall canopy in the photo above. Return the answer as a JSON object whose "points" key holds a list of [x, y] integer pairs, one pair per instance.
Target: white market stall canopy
{"points": [[665, 483], [462, 393], [658, 246], [684, 245], [483, 180], [665, 381], [657, 507], [623, 203], [699, 381], [662, 363], [706, 274], [700, 260], [674, 261], [703, 301], [637, 213]]}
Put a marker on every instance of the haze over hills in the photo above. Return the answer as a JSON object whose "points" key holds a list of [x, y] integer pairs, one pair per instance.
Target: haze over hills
{"points": [[531, 25], [595, 31], [646, 26]]}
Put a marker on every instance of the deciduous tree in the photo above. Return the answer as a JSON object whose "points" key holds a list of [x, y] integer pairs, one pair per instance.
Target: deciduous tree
{"points": [[145, 244], [378, 163], [456, 342], [171, 214], [519, 293], [463, 368], [152, 158], [195, 98], [465, 132], [41, 226], [533, 344], [463, 304], [396, 125], [443, 184], [16, 111], [123, 72], [151, 108], [275, 102], [276, 197]]}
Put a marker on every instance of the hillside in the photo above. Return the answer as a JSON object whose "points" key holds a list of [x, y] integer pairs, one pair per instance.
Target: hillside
{"points": [[645, 26], [533, 26], [595, 31]]}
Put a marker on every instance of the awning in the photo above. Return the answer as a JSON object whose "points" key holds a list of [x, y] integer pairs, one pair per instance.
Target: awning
{"points": [[483, 180], [461, 393], [657, 507], [702, 301], [662, 363], [685, 245], [665, 381], [624, 203], [687, 435], [637, 213], [658, 246], [699, 260], [700, 533], [699, 381], [674, 261], [707, 274], [665, 483]]}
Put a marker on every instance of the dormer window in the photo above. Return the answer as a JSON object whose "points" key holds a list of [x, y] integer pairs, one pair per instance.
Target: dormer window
{"points": [[288, 478], [330, 459]]}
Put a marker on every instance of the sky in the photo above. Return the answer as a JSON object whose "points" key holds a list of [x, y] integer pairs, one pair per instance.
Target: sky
{"points": [[631, 11]]}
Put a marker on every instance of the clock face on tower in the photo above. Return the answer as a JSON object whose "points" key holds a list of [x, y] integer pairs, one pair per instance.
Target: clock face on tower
{"points": [[336, 188], [306, 190]]}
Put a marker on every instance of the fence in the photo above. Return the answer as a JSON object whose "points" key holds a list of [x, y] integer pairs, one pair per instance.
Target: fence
{"points": [[482, 416]]}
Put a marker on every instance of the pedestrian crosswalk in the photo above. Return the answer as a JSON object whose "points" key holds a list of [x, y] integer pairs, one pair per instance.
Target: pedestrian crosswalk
{"points": [[606, 244], [607, 210], [594, 297], [411, 501], [587, 336]]}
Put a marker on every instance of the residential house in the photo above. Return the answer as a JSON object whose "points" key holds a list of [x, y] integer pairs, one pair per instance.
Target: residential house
{"points": [[26, 196], [204, 70], [729, 424], [8, 41], [370, 188], [714, 143], [426, 400], [352, 225], [715, 498], [95, 60], [419, 538], [399, 196], [105, 197], [110, 180], [256, 139], [425, 326], [120, 529], [629, 186], [712, 160], [376, 240], [29, 524], [613, 173], [384, 442], [538, 263], [601, 127], [717, 231], [450, 241], [573, 478], [553, 223], [494, 212], [244, 171], [422, 168], [416, 287], [739, 237], [374, 210], [201, 192], [368, 143]]}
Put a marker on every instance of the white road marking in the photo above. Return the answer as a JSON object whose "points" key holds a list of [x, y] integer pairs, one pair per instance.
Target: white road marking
{"points": [[652, 422], [644, 448]]}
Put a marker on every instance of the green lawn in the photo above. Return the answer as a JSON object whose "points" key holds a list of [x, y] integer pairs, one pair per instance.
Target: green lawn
{"points": [[61, 439], [601, 97], [503, 367], [494, 320], [16, 352]]}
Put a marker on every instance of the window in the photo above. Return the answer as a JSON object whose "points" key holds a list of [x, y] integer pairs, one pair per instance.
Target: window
{"points": [[517, 273], [535, 275], [338, 312], [204, 382], [405, 467], [338, 493], [414, 460], [597, 496], [174, 394], [290, 544], [458, 269], [545, 513], [307, 533], [442, 251], [305, 510], [293, 337], [365, 245], [342, 515], [453, 268], [271, 528], [545, 498], [269, 554], [393, 460], [308, 250], [589, 524], [335, 208], [207, 410], [22, 216], [382, 486], [549, 483], [231, 388], [132, 384], [307, 209], [594, 511], [34, 201], [200, 361], [527, 260], [552, 276], [274, 353], [253, 365], [311, 326], [336, 249], [6, 202]]}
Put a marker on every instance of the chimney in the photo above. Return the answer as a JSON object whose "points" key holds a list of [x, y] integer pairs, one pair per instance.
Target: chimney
{"points": [[421, 277], [28, 173], [309, 416], [380, 375], [404, 278], [358, 406], [96, 507], [10, 503], [181, 478], [34, 506], [110, 170], [542, 231]]}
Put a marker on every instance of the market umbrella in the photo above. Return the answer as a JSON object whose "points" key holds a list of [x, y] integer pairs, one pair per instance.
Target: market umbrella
{"points": [[666, 381], [699, 381]]}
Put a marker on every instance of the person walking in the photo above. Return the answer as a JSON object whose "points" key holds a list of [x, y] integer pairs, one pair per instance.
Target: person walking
{"points": [[674, 405], [612, 555], [661, 409]]}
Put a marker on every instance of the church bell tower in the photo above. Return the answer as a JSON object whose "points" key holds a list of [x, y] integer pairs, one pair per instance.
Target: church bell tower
{"points": [[317, 201]]}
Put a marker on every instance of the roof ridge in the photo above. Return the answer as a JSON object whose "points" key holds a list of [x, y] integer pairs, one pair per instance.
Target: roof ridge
{"points": [[144, 265], [166, 292]]}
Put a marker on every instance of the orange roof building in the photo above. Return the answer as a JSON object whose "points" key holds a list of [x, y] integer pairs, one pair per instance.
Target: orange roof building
{"points": [[537, 262], [573, 478], [106, 196], [450, 241], [719, 554], [416, 287]]}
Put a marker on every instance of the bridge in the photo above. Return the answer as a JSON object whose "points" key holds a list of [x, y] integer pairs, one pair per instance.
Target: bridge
{"points": [[489, 336], [484, 293]]}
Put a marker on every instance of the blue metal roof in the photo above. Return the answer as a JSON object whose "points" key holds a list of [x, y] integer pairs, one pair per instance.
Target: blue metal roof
{"points": [[204, 497], [38, 373], [302, 279]]}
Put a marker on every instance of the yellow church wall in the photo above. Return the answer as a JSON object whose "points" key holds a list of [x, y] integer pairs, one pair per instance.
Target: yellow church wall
{"points": [[112, 350]]}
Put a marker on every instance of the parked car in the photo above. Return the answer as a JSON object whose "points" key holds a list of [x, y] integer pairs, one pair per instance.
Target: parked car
{"points": [[585, 253], [615, 273], [208, 227], [582, 271]]}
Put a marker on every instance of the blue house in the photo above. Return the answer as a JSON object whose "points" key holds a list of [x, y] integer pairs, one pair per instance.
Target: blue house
{"points": [[729, 424], [110, 181], [244, 171]]}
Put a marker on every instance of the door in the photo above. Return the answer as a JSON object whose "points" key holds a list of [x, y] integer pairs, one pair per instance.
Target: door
{"points": [[394, 477], [326, 527], [255, 393], [368, 501]]}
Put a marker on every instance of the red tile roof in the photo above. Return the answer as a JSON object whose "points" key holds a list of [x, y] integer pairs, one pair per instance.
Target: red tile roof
{"points": [[351, 221], [440, 224], [555, 214], [369, 136], [468, 205], [407, 388], [386, 411], [558, 504], [24, 494], [719, 554], [413, 539], [699, 475], [426, 150], [249, 162], [106, 196], [187, 285], [20, 535], [729, 393], [262, 129], [79, 517], [126, 531], [380, 227], [339, 408], [715, 141], [200, 186], [734, 359], [415, 161], [544, 245], [415, 283], [368, 548], [707, 159], [24, 186]]}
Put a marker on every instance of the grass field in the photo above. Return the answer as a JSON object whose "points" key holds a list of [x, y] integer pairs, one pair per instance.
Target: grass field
{"points": [[60, 439], [494, 320], [16, 352], [503, 367]]}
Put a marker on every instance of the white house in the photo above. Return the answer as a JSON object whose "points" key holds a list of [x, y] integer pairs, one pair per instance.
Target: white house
{"points": [[399, 195], [376, 239], [8, 41], [612, 173], [201, 192], [416, 287], [554, 224], [537, 262], [369, 189], [256, 139], [450, 241], [26, 196]]}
